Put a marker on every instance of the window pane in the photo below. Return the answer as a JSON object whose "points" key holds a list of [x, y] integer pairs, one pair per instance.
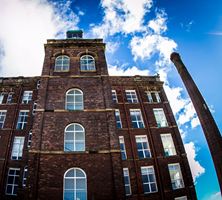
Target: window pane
{"points": [[79, 173], [80, 184], [80, 146], [69, 183], [69, 146], [70, 173], [69, 136], [70, 128], [146, 188], [80, 195], [78, 128], [79, 136], [69, 195]]}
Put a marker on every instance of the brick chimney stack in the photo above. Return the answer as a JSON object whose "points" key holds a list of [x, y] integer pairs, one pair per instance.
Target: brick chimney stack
{"points": [[207, 122]]}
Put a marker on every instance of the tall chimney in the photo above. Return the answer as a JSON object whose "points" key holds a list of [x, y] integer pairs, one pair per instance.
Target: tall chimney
{"points": [[207, 122]]}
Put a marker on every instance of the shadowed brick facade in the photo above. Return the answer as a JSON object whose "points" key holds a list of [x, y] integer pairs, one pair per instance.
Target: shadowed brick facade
{"points": [[47, 161]]}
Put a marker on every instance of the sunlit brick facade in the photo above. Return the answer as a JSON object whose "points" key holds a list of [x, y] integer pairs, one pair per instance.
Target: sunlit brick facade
{"points": [[93, 136]]}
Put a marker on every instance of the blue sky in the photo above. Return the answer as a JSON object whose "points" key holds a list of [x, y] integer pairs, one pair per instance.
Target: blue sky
{"points": [[140, 37]]}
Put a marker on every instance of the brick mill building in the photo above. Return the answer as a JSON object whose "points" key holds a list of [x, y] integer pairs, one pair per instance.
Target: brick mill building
{"points": [[76, 133]]}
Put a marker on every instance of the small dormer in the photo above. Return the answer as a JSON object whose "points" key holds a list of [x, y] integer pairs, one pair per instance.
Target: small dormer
{"points": [[74, 34]]}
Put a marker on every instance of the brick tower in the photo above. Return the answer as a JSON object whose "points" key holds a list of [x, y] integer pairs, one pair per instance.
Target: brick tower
{"points": [[92, 136], [208, 124]]}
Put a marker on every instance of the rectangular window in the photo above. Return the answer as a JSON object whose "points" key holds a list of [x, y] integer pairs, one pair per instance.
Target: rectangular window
{"points": [[9, 98], [127, 181], [118, 119], [27, 97], [175, 176], [168, 145], [131, 96], [181, 198], [1, 98], [29, 139], [160, 117], [136, 118], [143, 148], [122, 148], [114, 96], [25, 174], [22, 119], [12, 181], [153, 96], [148, 179], [17, 149], [2, 118]]}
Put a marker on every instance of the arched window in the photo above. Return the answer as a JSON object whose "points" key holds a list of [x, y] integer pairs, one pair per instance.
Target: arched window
{"points": [[75, 184], [87, 63], [74, 139], [62, 63], [74, 99]]}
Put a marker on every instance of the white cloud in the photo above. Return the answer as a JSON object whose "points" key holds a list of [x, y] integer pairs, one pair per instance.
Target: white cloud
{"points": [[147, 45], [112, 46], [196, 168], [195, 122], [25, 26], [216, 196], [187, 114], [131, 71], [217, 33], [174, 96], [81, 13], [158, 25], [122, 16]]}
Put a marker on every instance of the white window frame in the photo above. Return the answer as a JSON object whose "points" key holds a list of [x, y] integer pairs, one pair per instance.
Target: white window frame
{"points": [[131, 96], [181, 198], [17, 149], [122, 147], [87, 63], [127, 176], [176, 176], [9, 98], [168, 144], [145, 170], [63, 66], [74, 141], [114, 96], [2, 95], [143, 139], [2, 118], [139, 122], [13, 185], [75, 178], [160, 117], [27, 97], [22, 119], [153, 96], [118, 119], [75, 104]]}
